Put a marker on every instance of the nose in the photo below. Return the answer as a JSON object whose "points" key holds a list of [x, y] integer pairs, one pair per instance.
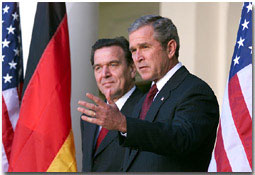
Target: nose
{"points": [[137, 56], [106, 72]]}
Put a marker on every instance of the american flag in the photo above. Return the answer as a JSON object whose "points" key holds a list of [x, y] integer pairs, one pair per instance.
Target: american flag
{"points": [[12, 76], [233, 149]]}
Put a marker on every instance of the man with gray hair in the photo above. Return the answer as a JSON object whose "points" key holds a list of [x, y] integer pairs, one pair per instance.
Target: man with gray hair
{"points": [[173, 127]]}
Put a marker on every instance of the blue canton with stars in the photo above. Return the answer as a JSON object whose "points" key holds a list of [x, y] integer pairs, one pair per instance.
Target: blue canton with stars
{"points": [[12, 64], [243, 49]]}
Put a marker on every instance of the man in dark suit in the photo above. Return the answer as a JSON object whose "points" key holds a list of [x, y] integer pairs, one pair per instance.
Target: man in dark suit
{"points": [[114, 70], [174, 127]]}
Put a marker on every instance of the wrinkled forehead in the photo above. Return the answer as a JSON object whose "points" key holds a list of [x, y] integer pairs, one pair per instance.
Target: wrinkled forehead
{"points": [[141, 35], [108, 54]]}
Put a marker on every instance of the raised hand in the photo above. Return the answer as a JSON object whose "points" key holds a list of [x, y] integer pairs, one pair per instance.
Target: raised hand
{"points": [[101, 113]]}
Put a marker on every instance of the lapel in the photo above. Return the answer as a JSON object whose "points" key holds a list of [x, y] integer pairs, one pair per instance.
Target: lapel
{"points": [[90, 131], [130, 104], [127, 111], [164, 94], [106, 141], [130, 153], [138, 107]]}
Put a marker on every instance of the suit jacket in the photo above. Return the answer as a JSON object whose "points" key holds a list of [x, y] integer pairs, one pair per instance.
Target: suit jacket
{"points": [[109, 155], [179, 130]]}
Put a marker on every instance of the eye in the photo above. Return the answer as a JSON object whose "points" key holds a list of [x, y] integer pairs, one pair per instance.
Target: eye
{"points": [[97, 68], [132, 50], [114, 64], [145, 46]]}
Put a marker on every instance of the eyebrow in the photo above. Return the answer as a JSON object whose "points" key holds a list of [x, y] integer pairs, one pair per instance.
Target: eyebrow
{"points": [[112, 61], [140, 44]]}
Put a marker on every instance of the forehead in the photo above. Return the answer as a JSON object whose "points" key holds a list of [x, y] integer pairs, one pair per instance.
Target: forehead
{"points": [[142, 34], [109, 53]]}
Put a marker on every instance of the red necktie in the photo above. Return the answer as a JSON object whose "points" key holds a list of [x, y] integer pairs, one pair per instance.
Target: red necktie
{"points": [[148, 100], [101, 136]]}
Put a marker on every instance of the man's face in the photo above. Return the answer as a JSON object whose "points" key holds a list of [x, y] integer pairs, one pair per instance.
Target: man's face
{"points": [[112, 72], [150, 58]]}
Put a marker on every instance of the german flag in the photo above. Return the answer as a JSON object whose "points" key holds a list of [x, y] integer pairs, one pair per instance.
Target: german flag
{"points": [[43, 139]]}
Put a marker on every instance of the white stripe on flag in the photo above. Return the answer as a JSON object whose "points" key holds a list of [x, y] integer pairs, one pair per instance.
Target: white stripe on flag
{"points": [[245, 77], [212, 166], [231, 140], [11, 99], [5, 163]]}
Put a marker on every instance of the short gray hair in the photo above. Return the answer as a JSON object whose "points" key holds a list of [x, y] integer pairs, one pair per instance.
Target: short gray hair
{"points": [[164, 29]]}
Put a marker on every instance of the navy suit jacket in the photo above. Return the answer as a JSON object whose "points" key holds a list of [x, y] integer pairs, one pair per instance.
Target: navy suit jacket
{"points": [[179, 130], [109, 155]]}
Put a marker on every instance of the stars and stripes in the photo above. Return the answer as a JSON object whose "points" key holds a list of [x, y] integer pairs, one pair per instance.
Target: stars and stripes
{"points": [[12, 76], [233, 149]]}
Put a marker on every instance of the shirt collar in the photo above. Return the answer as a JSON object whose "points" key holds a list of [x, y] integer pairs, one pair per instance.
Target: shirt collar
{"points": [[121, 101], [160, 83]]}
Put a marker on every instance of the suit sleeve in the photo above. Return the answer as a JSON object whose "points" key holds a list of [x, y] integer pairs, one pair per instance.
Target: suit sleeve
{"points": [[192, 122]]}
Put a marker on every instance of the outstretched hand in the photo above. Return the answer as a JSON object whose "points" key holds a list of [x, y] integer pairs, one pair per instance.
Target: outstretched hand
{"points": [[106, 115]]}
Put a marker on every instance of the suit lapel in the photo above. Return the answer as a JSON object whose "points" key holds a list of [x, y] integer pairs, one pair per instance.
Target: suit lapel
{"points": [[106, 141], [158, 101], [165, 93], [132, 101], [90, 131], [130, 155], [137, 110]]}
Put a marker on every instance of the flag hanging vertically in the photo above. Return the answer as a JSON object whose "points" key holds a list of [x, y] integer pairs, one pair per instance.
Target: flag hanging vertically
{"points": [[43, 140], [233, 149], [12, 76]]}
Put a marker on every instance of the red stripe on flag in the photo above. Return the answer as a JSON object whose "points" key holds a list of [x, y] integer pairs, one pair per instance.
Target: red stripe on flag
{"points": [[7, 130], [241, 116], [45, 121], [220, 154]]}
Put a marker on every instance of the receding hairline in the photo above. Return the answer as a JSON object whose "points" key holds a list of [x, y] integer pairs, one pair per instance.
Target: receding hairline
{"points": [[120, 49]]}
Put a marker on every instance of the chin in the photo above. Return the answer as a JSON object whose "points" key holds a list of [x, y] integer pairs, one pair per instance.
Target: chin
{"points": [[147, 78]]}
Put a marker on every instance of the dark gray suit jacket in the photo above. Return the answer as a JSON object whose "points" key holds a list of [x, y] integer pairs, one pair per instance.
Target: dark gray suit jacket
{"points": [[109, 155], [179, 130]]}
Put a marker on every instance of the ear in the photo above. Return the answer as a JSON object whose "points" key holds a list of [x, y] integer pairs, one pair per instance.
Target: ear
{"points": [[133, 70], [171, 48]]}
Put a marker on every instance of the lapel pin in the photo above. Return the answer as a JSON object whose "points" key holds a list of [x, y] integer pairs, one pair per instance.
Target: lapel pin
{"points": [[162, 98]]}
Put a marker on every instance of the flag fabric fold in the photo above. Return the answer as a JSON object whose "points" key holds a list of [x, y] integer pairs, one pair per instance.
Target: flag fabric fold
{"points": [[233, 149], [12, 76], [43, 140]]}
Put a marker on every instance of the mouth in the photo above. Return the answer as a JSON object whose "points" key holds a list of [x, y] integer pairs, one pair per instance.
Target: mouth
{"points": [[142, 67], [107, 84]]}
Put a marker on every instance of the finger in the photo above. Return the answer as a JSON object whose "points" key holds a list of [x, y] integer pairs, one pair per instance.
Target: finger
{"points": [[108, 96], [96, 99], [88, 105], [87, 111], [89, 119]]}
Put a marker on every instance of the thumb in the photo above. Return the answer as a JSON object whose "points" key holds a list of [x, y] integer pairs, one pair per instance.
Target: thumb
{"points": [[108, 97]]}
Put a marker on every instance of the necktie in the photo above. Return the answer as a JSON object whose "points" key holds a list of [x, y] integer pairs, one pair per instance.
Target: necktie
{"points": [[148, 100], [101, 136]]}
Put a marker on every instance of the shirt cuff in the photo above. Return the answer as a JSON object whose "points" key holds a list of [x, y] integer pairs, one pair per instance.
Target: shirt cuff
{"points": [[123, 134]]}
